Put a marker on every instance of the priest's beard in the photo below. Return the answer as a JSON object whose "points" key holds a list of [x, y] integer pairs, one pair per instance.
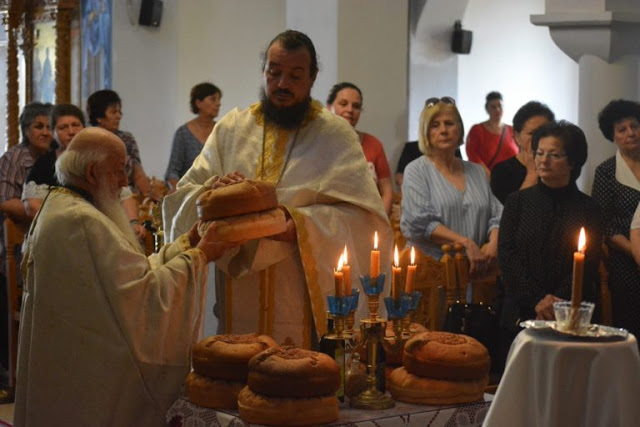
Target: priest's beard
{"points": [[284, 117], [109, 205]]}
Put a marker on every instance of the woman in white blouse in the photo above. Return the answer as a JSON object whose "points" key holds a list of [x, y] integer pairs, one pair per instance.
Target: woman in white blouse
{"points": [[446, 200]]}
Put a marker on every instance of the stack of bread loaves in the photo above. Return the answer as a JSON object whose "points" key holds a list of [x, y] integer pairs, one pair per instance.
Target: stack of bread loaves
{"points": [[243, 210], [441, 368], [220, 367], [289, 386]]}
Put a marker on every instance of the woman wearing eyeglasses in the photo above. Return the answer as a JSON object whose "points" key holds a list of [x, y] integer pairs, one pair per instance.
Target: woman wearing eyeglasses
{"points": [[616, 188], [345, 100], [447, 200], [540, 227]]}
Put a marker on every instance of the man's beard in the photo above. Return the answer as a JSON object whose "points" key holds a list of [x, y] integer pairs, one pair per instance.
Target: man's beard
{"points": [[110, 206], [284, 117]]}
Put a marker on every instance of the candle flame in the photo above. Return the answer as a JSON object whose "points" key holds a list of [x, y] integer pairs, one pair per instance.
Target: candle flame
{"points": [[396, 262], [413, 256], [375, 241], [340, 262], [582, 241], [346, 260]]}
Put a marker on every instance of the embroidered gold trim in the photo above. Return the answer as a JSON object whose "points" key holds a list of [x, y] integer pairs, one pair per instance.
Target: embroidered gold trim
{"points": [[315, 298]]}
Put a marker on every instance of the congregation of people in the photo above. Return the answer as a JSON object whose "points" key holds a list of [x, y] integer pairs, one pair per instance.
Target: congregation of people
{"points": [[514, 205]]}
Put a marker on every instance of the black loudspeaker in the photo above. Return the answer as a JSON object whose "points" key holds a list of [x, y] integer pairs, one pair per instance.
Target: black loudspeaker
{"points": [[461, 40], [150, 13]]}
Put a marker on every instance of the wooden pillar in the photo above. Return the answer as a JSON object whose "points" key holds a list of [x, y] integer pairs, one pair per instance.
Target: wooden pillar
{"points": [[13, 103], [27, 52], [66, 10]]}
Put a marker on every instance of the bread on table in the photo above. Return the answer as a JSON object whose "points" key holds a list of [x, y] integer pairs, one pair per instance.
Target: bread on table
{"points": [[289, 386], [227, 356], [220, 368], [410, 388], [213, 393], [447, 356]]}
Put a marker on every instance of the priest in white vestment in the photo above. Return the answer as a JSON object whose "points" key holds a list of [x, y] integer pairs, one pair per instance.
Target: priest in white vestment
{"points": [[105, 332], [278, 286]]}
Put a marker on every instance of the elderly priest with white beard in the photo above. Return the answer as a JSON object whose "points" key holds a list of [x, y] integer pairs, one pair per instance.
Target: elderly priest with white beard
{"points": [[106, 332]]}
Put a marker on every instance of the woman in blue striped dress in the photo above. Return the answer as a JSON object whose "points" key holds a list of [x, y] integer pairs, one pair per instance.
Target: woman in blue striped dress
{"points": [[446, 200]]}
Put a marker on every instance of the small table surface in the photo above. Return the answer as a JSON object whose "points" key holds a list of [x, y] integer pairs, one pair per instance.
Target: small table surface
{"points": [[553, 380], [185, 413]]}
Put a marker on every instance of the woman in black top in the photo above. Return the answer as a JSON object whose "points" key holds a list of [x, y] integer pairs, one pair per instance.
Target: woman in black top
{"points": [[539, 231], [519, 172]]}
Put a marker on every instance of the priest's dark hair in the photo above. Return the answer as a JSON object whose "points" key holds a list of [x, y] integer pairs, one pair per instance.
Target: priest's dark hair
{"points": [[293, 40], [573, 140]]}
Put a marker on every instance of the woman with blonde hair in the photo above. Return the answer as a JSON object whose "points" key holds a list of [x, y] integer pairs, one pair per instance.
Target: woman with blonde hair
{"points": [[447, 200]]}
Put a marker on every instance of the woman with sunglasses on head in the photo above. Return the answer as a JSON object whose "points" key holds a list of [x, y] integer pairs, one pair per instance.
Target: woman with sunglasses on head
{"points": [[616, 188], [539, 232], [447, 200], [491, 141], [345, 100]]}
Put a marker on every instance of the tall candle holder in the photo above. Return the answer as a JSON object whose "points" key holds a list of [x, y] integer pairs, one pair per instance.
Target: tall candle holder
{"points": [[372, 335]]}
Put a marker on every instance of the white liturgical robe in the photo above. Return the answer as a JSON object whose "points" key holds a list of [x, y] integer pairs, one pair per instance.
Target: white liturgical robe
{"points": [[322, 179], [105, 333]]}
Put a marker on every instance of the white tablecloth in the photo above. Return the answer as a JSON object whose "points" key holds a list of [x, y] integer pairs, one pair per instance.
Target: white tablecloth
{"points": [[185, 414], [552, 381]]}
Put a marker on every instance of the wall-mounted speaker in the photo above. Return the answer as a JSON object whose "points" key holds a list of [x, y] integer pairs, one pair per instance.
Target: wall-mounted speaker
{"points": [[461, 39], [150, 13]]}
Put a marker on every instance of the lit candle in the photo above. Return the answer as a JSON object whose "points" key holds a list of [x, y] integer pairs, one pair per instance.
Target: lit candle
{"points": [[346, 270], [578, 269], [375, 258], [411, 272], [395, 276], [338, 276]]}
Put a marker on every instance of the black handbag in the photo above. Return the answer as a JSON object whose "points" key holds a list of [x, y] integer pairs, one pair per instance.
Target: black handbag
{"points": [[479, 321]]}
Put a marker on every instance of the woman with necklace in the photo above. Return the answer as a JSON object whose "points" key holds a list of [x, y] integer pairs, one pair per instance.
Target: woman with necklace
{"points": [[616, 187], [445, 199], [190, 137], [491, 141]]}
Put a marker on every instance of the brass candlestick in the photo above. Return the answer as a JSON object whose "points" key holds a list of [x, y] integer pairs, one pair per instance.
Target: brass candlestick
{"points": [[372, 398]]}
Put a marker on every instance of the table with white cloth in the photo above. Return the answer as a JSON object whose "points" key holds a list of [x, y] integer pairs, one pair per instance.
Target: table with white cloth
{"points": [[555, 380], [184, 413]]}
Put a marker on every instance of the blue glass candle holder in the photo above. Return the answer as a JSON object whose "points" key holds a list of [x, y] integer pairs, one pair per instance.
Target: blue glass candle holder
{"points": [[372, 286], [353, 299], [415, 299], [397, 308], [339, 306]]}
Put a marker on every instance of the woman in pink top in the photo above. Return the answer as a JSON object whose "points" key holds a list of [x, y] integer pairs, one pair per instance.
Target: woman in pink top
{"points": [[345, 100], [490, 142]]}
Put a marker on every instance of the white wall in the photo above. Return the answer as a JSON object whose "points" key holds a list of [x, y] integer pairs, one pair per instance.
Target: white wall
{"points": [[198, 40], [372, 53], [516, 58], [221, 41]]}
